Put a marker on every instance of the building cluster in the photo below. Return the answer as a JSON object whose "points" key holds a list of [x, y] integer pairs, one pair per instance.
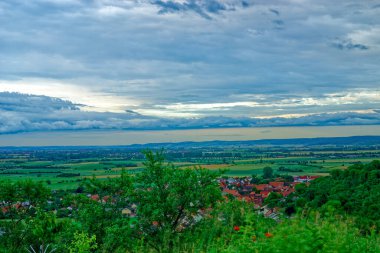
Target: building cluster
{"points": [[243, 189], [6, 207]]}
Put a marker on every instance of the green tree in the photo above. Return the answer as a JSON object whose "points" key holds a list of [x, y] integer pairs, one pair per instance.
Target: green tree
{"points": [[96, 216], [169, 198], [83, 243], [355, 192], [19, 204], [267, 172], [273, 199], [254, 179]]}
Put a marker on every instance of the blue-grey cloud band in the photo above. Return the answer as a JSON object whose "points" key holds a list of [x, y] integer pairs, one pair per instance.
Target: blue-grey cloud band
{"points": [[23, 113]]}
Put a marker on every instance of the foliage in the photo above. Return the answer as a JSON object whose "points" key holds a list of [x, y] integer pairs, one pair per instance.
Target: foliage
{"points": [[83, 243], [24, 190], [306, 235], [267, 172], [272, 199], [169, 199], [96, 216], [20, 203], [355, 191], [42, 249]]}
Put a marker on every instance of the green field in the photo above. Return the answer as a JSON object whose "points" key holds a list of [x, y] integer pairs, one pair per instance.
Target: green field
{"points": [[62, 169]]}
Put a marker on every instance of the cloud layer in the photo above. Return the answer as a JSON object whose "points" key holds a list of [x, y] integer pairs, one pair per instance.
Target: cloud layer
{"points": [[188, 63], [22, 113]]}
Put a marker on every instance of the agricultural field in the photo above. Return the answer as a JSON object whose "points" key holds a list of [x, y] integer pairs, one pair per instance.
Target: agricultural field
{"points": [[66, 168]]}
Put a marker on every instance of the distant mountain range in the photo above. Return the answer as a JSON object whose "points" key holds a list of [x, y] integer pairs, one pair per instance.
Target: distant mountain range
{"points": [[333, 141], [336, 141]]}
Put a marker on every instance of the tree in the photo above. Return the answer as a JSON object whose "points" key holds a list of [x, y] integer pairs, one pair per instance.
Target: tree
{"points": [[20, 205], [82, 243], [273, 199], [287, 178], [95, 216], [254, 179], [354, 191], [267, 172], [168, 198]]}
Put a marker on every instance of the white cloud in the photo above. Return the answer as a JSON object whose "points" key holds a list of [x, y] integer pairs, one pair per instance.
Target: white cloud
{"points": [[370, 37], [89, 99]]}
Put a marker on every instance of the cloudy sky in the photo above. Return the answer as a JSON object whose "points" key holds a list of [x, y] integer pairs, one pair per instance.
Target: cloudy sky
{"points": [[184, 64]]}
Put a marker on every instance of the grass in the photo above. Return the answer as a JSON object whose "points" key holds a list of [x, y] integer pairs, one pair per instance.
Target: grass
{"points": [[260, 235]]}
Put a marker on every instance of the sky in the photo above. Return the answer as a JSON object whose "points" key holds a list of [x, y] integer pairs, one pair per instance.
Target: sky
{"points": [[187, 64], [122, 137]]}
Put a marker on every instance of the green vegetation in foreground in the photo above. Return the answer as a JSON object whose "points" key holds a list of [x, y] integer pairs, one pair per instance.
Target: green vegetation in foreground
{"points": [[355, 191], [182, 210]]}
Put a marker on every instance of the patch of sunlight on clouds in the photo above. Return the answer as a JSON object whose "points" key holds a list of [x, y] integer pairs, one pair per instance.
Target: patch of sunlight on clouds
{"points": [[167, 113], [86, 98], [209, 106]]}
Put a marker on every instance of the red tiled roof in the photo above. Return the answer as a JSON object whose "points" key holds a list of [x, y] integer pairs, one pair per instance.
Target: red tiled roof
{"points": [[95, 197], [232, 192], [286, 193], [264, 193], [276, 184], [246, 199], [106, 198], [5, 209], [261, 187]]}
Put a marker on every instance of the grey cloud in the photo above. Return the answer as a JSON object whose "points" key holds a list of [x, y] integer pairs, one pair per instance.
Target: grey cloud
{"points": [[27, 103], [202, 7], [123, 48], [349, 45], [25, 113], [276, 12], [279, 24], [22, 112]]}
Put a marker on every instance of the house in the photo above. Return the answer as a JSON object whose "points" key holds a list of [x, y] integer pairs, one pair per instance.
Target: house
{"points": [[265, 194], [234, 193], [126, 211], [262, 187], [287, 192], [257, 198], [304, 179], [276, 185], [106, 199], [94, 197], [5, 209]]}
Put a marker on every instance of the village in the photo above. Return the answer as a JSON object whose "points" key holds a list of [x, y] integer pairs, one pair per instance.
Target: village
{"points": [[243, 189], [240, 188]]}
